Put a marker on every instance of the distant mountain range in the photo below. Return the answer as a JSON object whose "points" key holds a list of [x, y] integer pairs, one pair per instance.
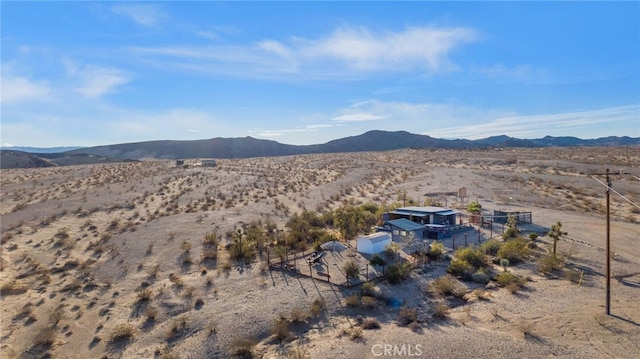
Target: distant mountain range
{"points": [[246, 147]]}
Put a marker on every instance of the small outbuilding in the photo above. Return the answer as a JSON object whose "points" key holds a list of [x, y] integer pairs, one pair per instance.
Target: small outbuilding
{"points": [[373, 243]]}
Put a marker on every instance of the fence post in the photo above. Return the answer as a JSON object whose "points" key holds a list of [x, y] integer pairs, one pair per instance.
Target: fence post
{"points": [[367, 272], [453, 242]]}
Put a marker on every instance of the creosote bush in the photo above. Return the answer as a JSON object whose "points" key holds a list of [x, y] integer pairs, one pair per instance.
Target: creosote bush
{"points": [[551, 263], [398, 272], [280, 329], [370, 323], [512, 282], [122, 332], [460, 268], [352, 300], [471, 255], [407, 315], [490, 247], [317, 307], [242, 348], [447, 285], [436, 250], [515, 250]]}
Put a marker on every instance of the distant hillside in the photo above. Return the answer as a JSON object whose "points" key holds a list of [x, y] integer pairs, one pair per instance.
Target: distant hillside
{"points": [[246, 147], [41, 149], [19, 159]]}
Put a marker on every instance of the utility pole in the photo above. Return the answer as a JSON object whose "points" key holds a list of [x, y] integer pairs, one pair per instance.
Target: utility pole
{"points": [[608, 246], [608, 304]]}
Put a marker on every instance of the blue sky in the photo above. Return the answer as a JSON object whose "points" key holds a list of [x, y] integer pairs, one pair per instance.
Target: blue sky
{"points": [[94, 73]]}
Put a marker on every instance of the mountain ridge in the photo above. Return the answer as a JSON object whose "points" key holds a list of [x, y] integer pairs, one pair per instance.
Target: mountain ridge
{"points": [[246, 147]]}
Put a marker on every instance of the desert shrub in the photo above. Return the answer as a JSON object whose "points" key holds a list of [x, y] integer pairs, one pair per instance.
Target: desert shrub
{"points": [[460, 268], [415, 327], [370, 323], [242, 348], [376, 260], [210, 239], [398, 272], [407, 315], [367, 301], [144, 295], [480, 277], [298, 315], [507, 278], [391, 250], [352, 301], [471, 255], [490, 247], [185, 246], [571, 275], [351, 269], [280, 329], [481, 294], [533, 236], [355, 333], [242, 250], [298, 352], [441, 310], [45, 337], [515, 250], [167, 353], [436, 250], [317, 307], [550, 264], [368, 288], [151, 313], [122, 332], [447, 285], [12, 287]]}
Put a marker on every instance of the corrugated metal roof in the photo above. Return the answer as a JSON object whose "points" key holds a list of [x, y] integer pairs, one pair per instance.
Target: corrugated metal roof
{"points": [[377, 237], [406, 224], [417, 211]]}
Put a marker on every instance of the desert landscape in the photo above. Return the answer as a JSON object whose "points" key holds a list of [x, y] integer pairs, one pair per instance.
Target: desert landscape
{"points": [[140, 259]]}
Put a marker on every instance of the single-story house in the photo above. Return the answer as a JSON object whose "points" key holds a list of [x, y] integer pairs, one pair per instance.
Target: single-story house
{"points": [[404, 230], [424, 215], [373, 243]]}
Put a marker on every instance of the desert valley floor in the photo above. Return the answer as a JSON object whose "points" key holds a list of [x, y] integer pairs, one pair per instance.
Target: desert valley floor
{"points": [[113, 261]]}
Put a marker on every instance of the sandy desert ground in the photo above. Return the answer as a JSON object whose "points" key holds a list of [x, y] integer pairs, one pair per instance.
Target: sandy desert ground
{"points": [[112, 260]]}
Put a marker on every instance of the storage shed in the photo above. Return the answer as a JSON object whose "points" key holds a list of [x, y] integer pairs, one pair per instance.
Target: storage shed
{"points": [[373, 243]]}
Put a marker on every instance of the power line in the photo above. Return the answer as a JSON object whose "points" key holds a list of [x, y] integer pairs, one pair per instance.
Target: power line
{"points": [[616, 192]]}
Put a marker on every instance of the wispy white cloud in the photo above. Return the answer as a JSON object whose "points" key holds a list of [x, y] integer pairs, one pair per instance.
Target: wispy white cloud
{"points": [[16, 89], [560, 124], [143, 14], [359, 117], [360, 48], [515, 74], [95, 81], [344, 53]]}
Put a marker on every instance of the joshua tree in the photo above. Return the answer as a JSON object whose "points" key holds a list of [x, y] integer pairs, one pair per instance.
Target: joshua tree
{"points": [[556, 233]]}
